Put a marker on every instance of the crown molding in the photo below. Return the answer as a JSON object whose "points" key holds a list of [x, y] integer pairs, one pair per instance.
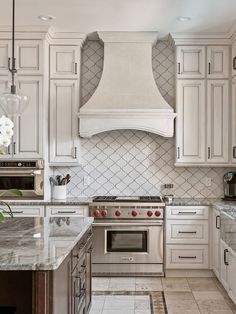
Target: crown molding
{"points": [[201, 38]]}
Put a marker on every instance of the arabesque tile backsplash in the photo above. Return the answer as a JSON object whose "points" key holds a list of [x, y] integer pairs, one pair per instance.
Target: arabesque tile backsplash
{"points": [[129, 162]]}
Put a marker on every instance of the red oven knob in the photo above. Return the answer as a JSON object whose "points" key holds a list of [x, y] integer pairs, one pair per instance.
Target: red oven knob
{"points": [[118, 213], [158, 213], [96, 213], [134, 213], [149, 213], [104, 213]]}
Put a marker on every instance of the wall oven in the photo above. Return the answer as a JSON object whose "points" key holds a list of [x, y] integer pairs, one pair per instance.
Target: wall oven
{"points": [[27, 176]]}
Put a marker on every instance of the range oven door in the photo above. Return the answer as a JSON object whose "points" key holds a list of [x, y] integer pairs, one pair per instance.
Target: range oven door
{"points": [[128, 243]]}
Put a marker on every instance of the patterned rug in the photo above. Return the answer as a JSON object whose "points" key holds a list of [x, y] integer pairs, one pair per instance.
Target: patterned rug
{"points": [[157, 299]]}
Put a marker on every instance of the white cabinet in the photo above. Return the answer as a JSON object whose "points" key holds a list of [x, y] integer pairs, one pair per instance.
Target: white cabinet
{"points": [[190, 121], [217, 121], [64, 62], [232, 273], [187, 234], [223, 267], [28, 128], [233, 63], [26, 211], [29, 56], [63, 122], [66, 211], [216, 242], [218, 62], [190, 61]]}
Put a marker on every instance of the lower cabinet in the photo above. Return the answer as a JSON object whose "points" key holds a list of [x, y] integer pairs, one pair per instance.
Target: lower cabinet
{"points": [[25, 211], [67, 211], [228, 269], [216, 242]]}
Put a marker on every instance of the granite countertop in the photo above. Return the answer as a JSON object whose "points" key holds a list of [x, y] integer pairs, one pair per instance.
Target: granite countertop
{"points": [[68, 201], [39, 243]]}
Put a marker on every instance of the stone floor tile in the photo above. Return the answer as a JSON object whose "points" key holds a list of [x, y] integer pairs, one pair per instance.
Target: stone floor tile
{"points": [[200, 284], [181, 302], [175, 284]]}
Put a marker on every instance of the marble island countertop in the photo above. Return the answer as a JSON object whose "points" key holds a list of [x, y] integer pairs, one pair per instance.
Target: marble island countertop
{"points": [[39, 243]]}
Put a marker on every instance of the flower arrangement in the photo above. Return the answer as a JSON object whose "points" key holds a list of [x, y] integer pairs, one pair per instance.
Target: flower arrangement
{"points": [[6, 133]]}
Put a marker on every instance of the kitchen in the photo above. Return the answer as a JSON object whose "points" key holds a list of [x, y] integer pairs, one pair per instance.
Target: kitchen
{"points": [[137, 114]]}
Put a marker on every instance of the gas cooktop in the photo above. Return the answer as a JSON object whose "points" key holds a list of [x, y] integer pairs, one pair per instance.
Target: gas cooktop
{"points": [[144, 199]]}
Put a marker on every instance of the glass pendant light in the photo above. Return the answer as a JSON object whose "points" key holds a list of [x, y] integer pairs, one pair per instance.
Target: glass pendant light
{"points": [[12, 101]]}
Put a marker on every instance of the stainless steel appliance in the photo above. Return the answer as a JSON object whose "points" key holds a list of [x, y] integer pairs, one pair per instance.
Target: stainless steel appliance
{"points": [[27, 176], [128, 236], [230, 185]]}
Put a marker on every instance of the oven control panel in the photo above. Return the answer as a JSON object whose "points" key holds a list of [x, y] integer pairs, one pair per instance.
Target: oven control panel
{"points": [[126, 212]]}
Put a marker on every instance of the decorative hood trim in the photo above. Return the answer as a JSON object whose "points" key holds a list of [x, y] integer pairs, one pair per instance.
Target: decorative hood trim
{"points": [[127, 96]]}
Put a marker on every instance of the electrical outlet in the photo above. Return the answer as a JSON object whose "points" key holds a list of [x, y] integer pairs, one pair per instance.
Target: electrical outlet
{"points": [[208, 181], [86, 180]]}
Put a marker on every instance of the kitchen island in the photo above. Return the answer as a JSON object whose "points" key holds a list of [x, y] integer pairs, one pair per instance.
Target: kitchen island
{"points": [[45, 265]]}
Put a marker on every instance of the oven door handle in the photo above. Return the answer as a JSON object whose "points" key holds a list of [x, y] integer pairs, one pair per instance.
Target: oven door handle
{"points": [[124, 224]]}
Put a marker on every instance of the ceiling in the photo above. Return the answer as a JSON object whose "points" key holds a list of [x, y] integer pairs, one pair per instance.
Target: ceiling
{"points": [[87, 16]]}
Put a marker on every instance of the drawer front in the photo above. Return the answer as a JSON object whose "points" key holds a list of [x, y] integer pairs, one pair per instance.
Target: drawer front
{"points": [[187, 231], [187, 257], [25, 211], [187, 212], [69, 211]]}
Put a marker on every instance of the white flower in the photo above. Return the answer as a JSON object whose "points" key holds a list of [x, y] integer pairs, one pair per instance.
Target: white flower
{"points": [[6, 141], [4, 121], [6, 131]]}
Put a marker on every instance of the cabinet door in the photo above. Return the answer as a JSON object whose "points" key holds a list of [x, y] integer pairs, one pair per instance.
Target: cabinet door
{"points": [[223, 266], [29, 57], [218, 61], [231, 274], [64, 62], [190, 62], [216, 242], [63, 122], [27, 139], [190, 126], [5, 47], [217, 121], [89, 277], [234, 120]]}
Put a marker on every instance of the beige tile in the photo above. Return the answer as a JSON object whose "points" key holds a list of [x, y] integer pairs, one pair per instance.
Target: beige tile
{"points": [[100, 284], [202, 284], [181, 302], [211, 302], [175, 284]]}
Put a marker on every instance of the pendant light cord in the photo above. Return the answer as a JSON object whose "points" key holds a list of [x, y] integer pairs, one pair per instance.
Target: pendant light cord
{"points": [[13, 68]]}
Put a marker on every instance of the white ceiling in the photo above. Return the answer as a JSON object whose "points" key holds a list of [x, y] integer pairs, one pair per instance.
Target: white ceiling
{"points": [[87, 16]]}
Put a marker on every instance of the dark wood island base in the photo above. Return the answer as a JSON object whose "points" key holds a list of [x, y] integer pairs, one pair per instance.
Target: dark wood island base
{"points": [[65, 290]]}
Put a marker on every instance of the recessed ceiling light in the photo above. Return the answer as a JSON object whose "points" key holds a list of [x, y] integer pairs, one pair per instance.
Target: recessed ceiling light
{"points": [[46, 17], [184, 18]]}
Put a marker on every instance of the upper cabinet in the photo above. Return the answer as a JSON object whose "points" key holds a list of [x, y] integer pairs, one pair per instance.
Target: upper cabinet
{"points": [[191, 116], [64, 62], [217, 121], [29, 57], [233, 151], [190, 61], [217, 62]]}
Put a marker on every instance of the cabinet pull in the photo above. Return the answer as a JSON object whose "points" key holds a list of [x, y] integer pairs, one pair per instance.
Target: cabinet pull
{"points": [[66, 212], [9, 63], [234, 63], [76, 68], [8, 150], [234, 152], [209, 152], [17, 212], [218, 222], [75, 153], [14, 148], [178, 67], [190, 257], [225, 257], [190, 232], [209, 67], [178, 153], [187, 213]]}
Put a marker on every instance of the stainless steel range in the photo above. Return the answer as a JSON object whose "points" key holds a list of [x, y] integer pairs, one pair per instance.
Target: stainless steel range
{"points": [[128, 236]]}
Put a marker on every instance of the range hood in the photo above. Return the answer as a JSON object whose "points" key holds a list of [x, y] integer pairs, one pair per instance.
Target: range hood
{"points": [[127, 96]]}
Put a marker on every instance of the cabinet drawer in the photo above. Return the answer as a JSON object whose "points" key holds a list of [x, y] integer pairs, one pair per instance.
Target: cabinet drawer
{"points": [[62, 211], [25, 211], [187, 212], [187, 231], [186, 256]]}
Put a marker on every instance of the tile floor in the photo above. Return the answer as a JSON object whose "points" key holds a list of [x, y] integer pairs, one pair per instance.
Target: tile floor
{"points": [[183, 295]]}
